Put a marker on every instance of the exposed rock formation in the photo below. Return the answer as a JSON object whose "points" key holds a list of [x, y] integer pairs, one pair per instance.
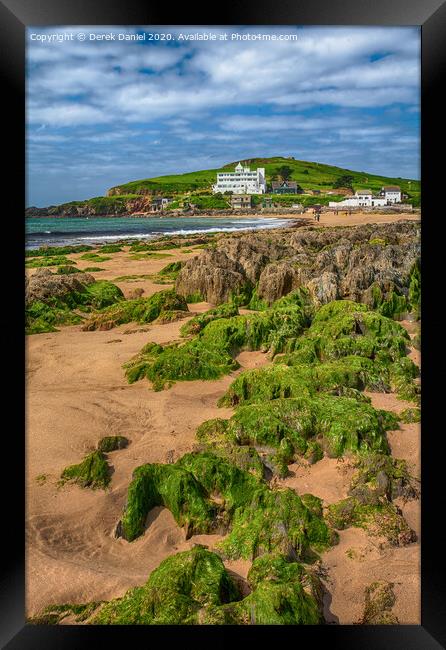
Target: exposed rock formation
{"points": [[43, 285], [333, 263]]}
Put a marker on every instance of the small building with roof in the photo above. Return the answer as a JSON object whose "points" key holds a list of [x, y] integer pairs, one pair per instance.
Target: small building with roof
{"points": [[392, 193], [240, 201], [284, 187]]}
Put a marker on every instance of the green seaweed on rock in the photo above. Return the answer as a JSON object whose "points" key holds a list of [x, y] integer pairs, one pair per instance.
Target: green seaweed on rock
{"points": [[53, 251], [176, 592], [282, 593], [176, 362], [206, 493], [95, 257], [140, 310], [45, 316], [41, 318], [170, 486], [59, 260], [54, 614], [410, 415], [93, 472], [198, 323], [380, 518], [290, 377], [112, 443], [193, 587], [292, 426], [68, 269], [380, 475], [379, 599], [210, 354], [343, 328]]}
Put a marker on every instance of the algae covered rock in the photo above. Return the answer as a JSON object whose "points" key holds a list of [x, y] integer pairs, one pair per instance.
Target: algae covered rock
{"points": [[410, 415], [342, 328], [379, 479], [163, 365], [170, 486], [283, 593], [288, 379], [212, 436], [210, 354], [54, 614], [112, 443], [93, 472], [196, 324], [379, 517], [194, 587], [275, 520], [285, 428], [383, 475], [140, 310], [379, 601], [175, 593], [206, 493], [51, 299]]}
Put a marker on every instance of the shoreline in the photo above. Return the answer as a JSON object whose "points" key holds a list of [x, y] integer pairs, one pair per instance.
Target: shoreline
{"points": [[328, 218], [241, 214]]}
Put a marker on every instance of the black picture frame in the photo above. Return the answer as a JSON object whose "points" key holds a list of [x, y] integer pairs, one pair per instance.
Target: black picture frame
{"points": [[15, 16]]}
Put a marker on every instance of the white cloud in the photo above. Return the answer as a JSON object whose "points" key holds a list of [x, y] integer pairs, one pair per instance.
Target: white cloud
{"points": [[68, 115], [325, 66]]}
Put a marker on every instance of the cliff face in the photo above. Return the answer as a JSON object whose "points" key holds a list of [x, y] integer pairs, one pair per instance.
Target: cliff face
{"points": [[98, 207], [357, 263]]}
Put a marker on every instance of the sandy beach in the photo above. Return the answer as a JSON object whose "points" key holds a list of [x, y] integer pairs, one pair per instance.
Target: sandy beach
{"points": [[77, 393]]}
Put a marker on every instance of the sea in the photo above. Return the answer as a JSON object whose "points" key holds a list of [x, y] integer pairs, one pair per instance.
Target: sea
{"points": [[54, 231]]}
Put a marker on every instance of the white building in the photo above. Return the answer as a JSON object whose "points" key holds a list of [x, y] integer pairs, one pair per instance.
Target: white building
{"points": [[392, 193], [241, 181], [389, 195], [362, 198]]}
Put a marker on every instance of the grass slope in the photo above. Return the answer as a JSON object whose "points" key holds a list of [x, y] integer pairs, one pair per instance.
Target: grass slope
{"points": [[310, 175]]}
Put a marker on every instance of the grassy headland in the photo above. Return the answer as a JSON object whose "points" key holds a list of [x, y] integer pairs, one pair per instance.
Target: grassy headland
{"points": [[195, 189]]}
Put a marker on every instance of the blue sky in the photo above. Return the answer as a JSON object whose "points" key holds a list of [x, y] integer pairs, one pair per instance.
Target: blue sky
{"points": [[100, 113]]}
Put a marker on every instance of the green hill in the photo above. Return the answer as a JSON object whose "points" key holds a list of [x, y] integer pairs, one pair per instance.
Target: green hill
{"points": [[196, 188], [309, 175]]}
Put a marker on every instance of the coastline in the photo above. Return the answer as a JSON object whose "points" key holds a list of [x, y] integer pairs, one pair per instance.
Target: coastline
{"points": [[77, 393], [58, 231], [276, 213]]}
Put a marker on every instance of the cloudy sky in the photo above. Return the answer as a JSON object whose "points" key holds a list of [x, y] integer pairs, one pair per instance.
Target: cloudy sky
{"points": [[105, 112]]}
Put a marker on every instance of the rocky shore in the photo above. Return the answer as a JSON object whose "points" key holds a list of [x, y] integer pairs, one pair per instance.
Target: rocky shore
{"points": [[234, 429]]}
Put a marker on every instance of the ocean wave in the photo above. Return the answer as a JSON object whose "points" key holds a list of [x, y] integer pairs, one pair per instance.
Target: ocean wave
{"points": [[66, 237]]}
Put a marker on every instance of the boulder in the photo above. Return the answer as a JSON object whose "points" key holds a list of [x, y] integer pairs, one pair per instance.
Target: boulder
{"points": [[276, 280], [43, 285]]}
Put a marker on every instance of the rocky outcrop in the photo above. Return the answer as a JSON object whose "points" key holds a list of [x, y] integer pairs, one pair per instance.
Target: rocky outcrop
{"points": [[276, 280], [43, 285], [212, 274], [342, 262], [100, 207]]}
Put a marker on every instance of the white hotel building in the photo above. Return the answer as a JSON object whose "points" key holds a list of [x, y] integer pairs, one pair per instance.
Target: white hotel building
{"points": [[241, 181]]}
